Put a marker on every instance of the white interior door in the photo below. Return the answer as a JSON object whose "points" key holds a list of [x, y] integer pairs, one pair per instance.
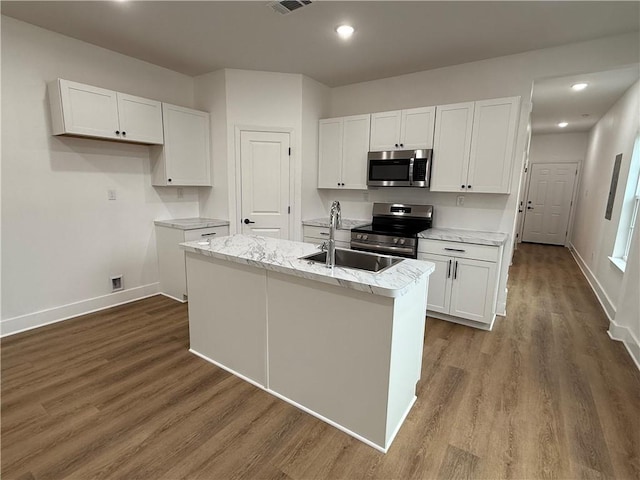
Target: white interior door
{"points": [[264, 163], [548, 203]]}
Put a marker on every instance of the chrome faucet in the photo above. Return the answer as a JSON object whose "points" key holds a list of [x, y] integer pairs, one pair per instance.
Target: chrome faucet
{"points": [[335, 221]]}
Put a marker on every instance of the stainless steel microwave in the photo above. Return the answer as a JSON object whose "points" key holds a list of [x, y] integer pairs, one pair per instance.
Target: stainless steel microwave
{"points": [[399, 168]]}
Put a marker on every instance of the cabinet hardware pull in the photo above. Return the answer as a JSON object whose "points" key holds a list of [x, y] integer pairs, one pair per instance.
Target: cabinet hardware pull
{"points": [[208, 234], [455, 271], [324, 233], [117, 132], [124, 134], [462, 186], [454, 250], [468, 186], [449, 269], [247, 221]]}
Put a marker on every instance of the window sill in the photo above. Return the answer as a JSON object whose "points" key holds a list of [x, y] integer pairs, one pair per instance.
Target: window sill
{"points": [[619, 263]]}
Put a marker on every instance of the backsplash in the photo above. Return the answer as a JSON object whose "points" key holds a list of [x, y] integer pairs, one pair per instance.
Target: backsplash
{"points": [[484, 212]]}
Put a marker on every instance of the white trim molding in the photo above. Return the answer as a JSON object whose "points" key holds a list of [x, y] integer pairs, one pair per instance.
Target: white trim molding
{"points": [[626, 336], [22, 323], [603, 298]]}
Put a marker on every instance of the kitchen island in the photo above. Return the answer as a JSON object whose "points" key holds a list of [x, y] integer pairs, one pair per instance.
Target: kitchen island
{"points": [[342, 344]]}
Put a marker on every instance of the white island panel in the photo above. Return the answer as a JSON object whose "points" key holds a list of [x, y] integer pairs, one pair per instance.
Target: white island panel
{"points": [[329, 350], [228, 315]]}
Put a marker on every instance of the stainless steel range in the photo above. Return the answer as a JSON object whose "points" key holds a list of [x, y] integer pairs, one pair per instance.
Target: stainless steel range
{"points": [[394, 229]]}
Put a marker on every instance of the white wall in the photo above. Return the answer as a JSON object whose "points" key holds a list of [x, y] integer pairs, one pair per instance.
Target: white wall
{"points": [[626, 324], [61, 238], [255, 101], [497, 77], [210, 95], [315, 105], [594, 236], [558, 147]]}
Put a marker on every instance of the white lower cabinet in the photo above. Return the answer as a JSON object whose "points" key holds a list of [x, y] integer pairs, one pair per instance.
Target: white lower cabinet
{"points": [[317, 235], [464, 286], [171, 260]]}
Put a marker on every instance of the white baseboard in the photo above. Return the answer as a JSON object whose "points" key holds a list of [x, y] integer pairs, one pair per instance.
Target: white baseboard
{"points": [[605, 301], [11, 326], [626, 336]]}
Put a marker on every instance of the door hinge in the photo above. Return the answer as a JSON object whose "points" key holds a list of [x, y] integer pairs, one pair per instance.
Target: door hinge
{"points": [[289, 151], [526, 169], [289, 210]]}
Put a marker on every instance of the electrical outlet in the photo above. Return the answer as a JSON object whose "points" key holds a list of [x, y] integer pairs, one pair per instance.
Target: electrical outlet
{"points": [[180, 192], [460, 200], [117, 283], [111, 194]]}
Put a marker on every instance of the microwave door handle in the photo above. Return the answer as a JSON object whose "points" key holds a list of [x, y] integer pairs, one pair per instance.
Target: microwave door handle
{"points": [[411, 161]]}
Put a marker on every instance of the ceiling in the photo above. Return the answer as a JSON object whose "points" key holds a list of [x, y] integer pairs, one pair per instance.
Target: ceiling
{"points": [[391, 37], [554, 100]]}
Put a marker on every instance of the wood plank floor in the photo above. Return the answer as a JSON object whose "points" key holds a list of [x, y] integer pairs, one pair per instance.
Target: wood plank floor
{"points": [[116, 394]]}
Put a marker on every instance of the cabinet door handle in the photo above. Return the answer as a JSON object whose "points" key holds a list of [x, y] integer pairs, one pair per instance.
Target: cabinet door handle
{"points": [[449, 269], [208, 234], [455, 271], [324, 233], [454, 250], [247, 221]]}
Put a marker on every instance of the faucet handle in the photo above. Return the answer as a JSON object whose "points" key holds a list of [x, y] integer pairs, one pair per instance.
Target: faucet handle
{"points": [[324, 246]]}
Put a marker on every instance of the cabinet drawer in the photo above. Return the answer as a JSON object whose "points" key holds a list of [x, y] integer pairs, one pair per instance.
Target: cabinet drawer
{"points": [[200, 233], [323, 233], [458, 249]]}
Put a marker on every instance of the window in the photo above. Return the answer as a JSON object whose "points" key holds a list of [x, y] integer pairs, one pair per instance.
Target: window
{"points": [[632, 224], [629, 213]]}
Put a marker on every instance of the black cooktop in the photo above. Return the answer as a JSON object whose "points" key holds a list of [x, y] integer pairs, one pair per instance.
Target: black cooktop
{"points": [[406, 229]]}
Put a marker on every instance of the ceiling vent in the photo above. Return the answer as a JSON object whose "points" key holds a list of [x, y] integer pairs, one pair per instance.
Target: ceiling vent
{"points": [[288, 6]]}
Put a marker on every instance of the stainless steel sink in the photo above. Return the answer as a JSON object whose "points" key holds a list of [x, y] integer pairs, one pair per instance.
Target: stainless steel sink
{"points": [[370, 262]]}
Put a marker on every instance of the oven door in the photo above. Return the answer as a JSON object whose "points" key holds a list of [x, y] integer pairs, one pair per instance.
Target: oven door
{"points": [[387, 172]]}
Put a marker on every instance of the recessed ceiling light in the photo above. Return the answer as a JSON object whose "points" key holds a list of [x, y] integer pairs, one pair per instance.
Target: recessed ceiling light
{"points": [[345, 31], [579, 86], [563, 124]]}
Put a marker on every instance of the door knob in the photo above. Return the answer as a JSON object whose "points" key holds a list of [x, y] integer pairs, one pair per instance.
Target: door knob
{"points": [[247, 221]]}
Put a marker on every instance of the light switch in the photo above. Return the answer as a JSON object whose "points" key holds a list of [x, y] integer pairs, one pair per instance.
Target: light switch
{"points": [[111, 194], [460, 200]]}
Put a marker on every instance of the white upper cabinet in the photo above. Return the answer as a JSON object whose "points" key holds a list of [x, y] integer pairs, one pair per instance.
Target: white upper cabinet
{"points": [[492, 145], [342, 154], [409, 129], [84, 110], [140, 119], [451, 147], [473, 146], [184, 159]]}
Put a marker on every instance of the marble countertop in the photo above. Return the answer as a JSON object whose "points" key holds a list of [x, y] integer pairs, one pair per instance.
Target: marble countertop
{"points": [[347, 223], [191, 223], [283, 256], [465, 236]]}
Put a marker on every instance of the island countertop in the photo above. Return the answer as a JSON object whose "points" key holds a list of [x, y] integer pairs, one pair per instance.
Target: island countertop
{"points": [[284, 256]]}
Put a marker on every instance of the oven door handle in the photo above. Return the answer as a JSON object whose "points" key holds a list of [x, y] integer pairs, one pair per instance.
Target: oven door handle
{"points": [[377, 248]]}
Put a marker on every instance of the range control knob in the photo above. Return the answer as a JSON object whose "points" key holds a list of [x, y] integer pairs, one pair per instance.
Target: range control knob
{"points": [[402, 241], [365, 237], [395, 240], [358, 236]]}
